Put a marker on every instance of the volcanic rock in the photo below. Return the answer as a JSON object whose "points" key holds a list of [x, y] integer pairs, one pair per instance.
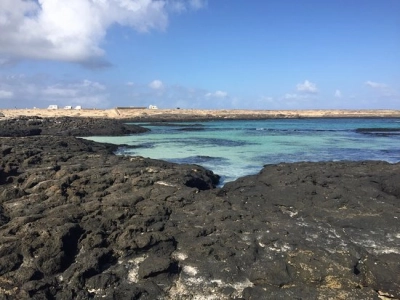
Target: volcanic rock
{"points": [[78, 222], [66, 126]]}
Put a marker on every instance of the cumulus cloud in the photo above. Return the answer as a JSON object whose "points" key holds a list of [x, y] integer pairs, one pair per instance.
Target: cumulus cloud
{"points": [[338, 94], [307, 87], [156, 85], [217, 94], [73, 30]]}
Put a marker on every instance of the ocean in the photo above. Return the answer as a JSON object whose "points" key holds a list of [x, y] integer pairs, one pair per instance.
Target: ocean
{"points": [[233, 149]]}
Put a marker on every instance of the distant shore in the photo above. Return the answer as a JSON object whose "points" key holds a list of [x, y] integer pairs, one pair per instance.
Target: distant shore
{"points": [[197, 114]]}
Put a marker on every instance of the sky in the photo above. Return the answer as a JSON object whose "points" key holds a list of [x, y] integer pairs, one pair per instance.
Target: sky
{"points": [[200, 54]]}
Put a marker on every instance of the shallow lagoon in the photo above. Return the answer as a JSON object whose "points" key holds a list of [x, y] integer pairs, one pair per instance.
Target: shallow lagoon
{"points": [[236, 148]]}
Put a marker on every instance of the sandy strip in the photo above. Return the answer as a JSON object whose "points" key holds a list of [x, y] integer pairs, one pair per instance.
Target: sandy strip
{"points": [[118, 113]]}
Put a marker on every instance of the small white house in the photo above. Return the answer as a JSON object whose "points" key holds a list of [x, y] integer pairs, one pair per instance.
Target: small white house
{"points": [[68, 107], [153, 107], [78, 107], [53, 107]]}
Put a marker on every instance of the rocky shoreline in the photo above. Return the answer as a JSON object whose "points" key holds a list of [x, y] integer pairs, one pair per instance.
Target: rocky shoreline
{"points": [[78, 222], [65, 126]]}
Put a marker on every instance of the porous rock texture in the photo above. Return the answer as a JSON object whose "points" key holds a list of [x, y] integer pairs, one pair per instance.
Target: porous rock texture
{"points": [[77, 222]]}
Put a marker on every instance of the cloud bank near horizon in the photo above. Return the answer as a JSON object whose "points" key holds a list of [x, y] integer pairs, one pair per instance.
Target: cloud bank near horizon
{"points": [[25, 91], [72, 31]]}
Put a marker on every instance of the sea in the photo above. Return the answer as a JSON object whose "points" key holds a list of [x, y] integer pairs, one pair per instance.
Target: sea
{"points": [[235, 148]]}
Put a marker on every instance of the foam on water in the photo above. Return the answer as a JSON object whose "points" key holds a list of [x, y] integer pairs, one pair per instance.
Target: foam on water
{"points": [[236, 148]]}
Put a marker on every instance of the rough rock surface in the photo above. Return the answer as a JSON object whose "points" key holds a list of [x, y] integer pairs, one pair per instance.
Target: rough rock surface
{"points": [[66, 126], [77, 222]]}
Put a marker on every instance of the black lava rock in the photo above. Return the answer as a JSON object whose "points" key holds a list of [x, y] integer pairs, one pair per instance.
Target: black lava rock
{"points": [[78, 222]]}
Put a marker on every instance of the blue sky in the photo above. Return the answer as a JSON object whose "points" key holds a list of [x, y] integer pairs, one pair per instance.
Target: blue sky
{"points": [[215, 54]]}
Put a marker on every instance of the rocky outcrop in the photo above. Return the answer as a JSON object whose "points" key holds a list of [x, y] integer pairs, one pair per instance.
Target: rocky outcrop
{"points": [[77, 222], [306, 230], [66, 126]]}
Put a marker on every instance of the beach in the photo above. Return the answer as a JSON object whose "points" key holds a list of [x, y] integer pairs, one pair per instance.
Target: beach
{"points": [[78, 222], [194, 114]]}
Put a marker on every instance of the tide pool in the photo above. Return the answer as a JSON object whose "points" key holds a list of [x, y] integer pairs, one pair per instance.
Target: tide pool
{"points": [[237, 148]]}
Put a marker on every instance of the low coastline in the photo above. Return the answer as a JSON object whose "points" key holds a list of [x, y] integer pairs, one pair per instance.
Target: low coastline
{"points": [[198, 114], [77, 221]]}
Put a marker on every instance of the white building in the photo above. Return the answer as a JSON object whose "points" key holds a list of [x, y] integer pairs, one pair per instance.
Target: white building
{"points": [[53, 107], [68, 107], [153, 107]]}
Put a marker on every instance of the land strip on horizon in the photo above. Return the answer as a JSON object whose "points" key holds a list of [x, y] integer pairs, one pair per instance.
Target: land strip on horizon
{"points": [[193, 114]]}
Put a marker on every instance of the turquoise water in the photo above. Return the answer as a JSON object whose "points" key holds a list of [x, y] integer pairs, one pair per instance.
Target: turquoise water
{"points": [[236, 148]]}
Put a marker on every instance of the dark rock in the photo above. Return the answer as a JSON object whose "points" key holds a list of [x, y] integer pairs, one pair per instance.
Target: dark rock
{"points": [[153, 266], [379, 131], [191, 129], [66, 126], [10, 262], [77, 222]]}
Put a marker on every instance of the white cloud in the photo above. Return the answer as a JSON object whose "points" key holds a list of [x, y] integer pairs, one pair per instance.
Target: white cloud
{"points": [[73, 30], [338, 94], [217, 94], [73, 90], [376, 85], [382, 89], [130, 83], [307, 87], [197, 4], [92, 85], [86, 93], [60, 92], [181, 6], [41, 90], [6, 94], [294, 96], [156, 85]]}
